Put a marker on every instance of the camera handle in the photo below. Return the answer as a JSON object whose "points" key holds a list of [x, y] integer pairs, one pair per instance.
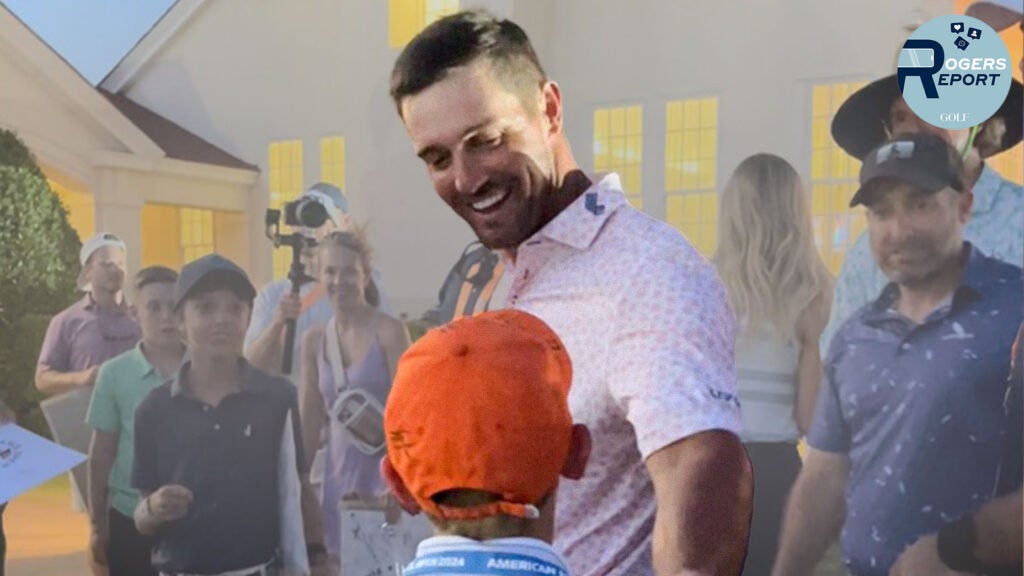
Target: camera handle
{"points": [[297, 275]]}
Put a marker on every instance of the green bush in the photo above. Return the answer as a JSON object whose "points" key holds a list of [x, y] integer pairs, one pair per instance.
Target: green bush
{"points": [[38, 268], [15, 154], [19, 349]]}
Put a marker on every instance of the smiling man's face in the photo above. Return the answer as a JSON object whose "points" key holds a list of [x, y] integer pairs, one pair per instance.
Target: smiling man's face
{"points": [[488, 149]]}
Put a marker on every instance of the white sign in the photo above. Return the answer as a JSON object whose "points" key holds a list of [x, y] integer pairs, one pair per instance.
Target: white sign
{"points": [[28, 460]]}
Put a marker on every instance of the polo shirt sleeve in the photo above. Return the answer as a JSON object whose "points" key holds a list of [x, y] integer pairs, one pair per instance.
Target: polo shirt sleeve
{"points": [[262, 312], [853, 288], [103, 412], [829, 432], [670, 363], [145, 472], [56, 351]]}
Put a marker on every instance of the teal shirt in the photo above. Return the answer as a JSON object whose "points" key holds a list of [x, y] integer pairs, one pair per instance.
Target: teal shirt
{"points": [[996, 227], [121, 385]]}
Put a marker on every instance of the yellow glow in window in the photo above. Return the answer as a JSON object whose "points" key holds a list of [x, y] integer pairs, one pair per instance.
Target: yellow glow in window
{"points": [[691, 166], [332, 161], [196, 233], [618, 147], [284, 175], [407, 17], [833, 178]]}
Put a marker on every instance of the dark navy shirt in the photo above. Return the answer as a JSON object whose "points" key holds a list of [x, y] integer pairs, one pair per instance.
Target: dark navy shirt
{"points": [[228, 457], [918, 408], [1011, 474]]}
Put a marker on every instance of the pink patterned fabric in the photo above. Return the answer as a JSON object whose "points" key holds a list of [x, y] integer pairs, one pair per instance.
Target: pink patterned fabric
{"points": [[646, 323]]}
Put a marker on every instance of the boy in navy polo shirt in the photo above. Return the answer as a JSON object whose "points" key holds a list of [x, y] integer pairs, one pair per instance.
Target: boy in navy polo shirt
{"points": [[910, 418], [207, 443]]}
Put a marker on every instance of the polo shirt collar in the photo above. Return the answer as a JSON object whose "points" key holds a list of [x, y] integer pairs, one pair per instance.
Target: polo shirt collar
{"points": [[88, 303], [141, 363], [986, 189], [580, 223], [972, 283], [251, 382]]}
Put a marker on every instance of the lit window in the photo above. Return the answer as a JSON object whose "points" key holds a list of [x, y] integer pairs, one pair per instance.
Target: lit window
{"points": [[834, 176], [284, 175], [332, 161], [196, 233], [407, 17], [1009, 164], [691, 165], [618, 147]]}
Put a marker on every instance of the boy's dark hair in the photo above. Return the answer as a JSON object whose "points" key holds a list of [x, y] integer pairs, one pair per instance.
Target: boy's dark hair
{"points": [[154, 275], [460, 39]]}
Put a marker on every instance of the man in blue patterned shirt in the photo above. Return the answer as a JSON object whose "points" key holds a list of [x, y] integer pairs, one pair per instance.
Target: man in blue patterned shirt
{"points": [[907, 431], [866, 120]]}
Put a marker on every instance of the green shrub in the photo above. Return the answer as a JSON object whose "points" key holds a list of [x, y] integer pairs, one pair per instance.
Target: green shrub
{"points": [[38, 268]]}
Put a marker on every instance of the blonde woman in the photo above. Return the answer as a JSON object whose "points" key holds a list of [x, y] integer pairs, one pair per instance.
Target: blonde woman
{"points": [[347, 368], [781, 293]]}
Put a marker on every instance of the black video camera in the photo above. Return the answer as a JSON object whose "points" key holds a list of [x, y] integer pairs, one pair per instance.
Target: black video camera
{"points": [[308, 213], [305, 212]]}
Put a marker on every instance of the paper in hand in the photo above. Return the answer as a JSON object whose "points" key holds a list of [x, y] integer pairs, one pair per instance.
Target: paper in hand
{"points": [[28, 460]]}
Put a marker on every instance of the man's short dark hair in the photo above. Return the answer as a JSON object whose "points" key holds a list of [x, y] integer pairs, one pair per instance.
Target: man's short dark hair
{"points": [[460, 39], [154, 275]]}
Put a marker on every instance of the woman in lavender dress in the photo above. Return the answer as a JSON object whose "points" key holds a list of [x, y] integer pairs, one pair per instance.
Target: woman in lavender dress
{"points": [[347, 367]]}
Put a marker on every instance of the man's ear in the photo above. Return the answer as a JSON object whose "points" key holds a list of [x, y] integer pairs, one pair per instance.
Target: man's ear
{"points": [[966, 204], [398, 487], [133, 311], [579, 452], [552, 107]]}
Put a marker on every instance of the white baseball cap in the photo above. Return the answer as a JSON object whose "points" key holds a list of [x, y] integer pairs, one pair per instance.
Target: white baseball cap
{"points": [[96, 242], [999, 14]]}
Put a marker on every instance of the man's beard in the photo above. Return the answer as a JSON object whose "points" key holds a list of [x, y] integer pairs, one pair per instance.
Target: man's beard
{"points": [[926, 263]]}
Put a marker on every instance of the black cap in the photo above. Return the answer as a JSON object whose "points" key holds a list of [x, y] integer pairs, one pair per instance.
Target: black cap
{"points": [[859, 124], [212, 272], [922, 160]]}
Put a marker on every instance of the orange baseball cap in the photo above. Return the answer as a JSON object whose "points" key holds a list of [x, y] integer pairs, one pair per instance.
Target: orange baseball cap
{"points": [[482, 404]]}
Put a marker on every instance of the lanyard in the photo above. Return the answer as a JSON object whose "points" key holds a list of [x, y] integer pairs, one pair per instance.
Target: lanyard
{"points": [[503, 564]]}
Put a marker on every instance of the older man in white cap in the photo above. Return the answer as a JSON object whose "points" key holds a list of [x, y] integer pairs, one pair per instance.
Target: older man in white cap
{"points": [[276, 303], [93, 330]]}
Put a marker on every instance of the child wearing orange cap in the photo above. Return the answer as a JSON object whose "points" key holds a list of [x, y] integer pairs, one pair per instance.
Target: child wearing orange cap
{"points": [[478, 433]]}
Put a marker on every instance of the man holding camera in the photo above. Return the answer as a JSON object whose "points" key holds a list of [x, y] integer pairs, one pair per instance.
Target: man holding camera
{"points": [[277, 302]]}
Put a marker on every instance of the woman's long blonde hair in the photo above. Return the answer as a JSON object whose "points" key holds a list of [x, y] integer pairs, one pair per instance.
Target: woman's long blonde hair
{"points": [[766, 255]]}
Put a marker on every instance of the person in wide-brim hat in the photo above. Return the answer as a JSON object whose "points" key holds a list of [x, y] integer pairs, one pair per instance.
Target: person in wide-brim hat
{"points": [[875, 113], [862, 121]]}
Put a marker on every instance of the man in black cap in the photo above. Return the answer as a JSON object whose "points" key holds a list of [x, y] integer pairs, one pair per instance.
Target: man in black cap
{"points": [[208, 442], [867, 119], [906, 431]]}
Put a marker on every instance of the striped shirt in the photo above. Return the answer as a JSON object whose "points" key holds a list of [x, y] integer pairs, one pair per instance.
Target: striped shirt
{"points": [[766, 374]]}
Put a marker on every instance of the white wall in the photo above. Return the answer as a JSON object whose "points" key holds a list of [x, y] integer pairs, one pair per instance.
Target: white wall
{"points": [[54, 127], [245, 72], [760, 58]]}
